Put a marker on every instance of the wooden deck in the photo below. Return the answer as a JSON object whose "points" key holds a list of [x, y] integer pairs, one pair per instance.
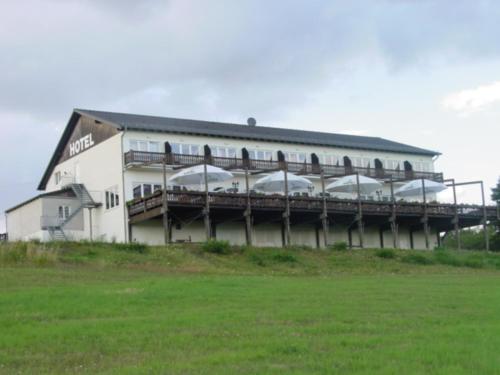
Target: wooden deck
{"points": [[146, 208]]}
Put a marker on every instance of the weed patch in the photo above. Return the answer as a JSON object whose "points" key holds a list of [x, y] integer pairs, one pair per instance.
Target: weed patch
{"points": [[339, 246], [417, 259], [135, 247], [216, 246], [284, 258]]}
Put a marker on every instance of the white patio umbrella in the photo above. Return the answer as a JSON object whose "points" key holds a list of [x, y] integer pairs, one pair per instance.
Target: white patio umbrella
{"points": [[196, 175], [275, 182], [414, 188], [348, 184]]}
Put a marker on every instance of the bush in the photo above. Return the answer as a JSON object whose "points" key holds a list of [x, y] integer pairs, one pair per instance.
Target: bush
{"points": [[285, 258], [417, 259], [135, 247], [216, 246], [386, 254], [339, 246]]}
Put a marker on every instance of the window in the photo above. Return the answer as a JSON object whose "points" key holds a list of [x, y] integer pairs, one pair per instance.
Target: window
{"points": [[329, 159], [64, 212], [57, 177], [154, 146], [260, 154], [185, 149], [422, 166], [295, 157], [392, 164], [145, 146], [137, 192], [224, 152], [144, 189], [112, 197]]}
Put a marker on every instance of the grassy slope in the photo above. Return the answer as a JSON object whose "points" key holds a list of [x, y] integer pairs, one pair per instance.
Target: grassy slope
{"points": [[88, 309]]}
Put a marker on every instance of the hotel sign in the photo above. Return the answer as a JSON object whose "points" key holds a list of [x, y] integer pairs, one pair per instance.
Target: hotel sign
{"points": [[87, 133], [81, 144]]}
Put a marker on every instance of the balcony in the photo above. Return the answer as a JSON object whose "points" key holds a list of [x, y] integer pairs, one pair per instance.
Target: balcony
{"points": [[141, 158]]}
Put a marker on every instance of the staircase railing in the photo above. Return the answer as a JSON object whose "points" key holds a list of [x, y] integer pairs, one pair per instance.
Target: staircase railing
{"points": [[55, 224]]}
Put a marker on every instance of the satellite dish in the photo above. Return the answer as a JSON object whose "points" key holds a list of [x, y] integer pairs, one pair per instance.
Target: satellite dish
{"points": [[251, 121]]}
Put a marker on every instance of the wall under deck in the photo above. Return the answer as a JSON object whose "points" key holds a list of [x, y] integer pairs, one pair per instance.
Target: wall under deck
{"points": [[151, 232]]}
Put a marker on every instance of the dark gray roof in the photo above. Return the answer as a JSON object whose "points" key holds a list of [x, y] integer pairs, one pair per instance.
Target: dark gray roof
{"points": [[260, 133], [219, 129]]}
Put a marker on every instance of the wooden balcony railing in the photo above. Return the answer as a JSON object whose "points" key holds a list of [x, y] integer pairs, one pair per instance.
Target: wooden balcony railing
{"points": [[151, 158], [277, 202]]}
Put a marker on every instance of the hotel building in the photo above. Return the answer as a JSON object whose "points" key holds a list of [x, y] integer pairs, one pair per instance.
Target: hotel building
{"points": [[106, 182]]}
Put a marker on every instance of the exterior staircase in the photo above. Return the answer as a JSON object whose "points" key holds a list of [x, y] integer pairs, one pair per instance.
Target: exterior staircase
{"points": [[56, 230], [57, 233]]}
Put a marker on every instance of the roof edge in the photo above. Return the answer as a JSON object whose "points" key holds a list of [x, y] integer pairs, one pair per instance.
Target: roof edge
{"points": [[68, 130], [95, 114], [32, 199]]}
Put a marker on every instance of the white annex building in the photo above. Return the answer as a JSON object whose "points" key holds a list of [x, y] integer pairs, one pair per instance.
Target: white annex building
{"points": [[106, 182]]}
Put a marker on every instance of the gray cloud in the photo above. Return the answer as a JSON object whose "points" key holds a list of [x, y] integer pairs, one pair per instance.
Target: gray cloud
{"points": [[220, 59], [93, 52]]}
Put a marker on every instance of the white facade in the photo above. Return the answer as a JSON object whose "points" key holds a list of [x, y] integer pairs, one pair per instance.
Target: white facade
{"points": [[102, 170]]}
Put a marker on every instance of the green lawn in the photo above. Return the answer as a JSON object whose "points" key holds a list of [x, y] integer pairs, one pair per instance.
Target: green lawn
{"points": [[95, 309]]}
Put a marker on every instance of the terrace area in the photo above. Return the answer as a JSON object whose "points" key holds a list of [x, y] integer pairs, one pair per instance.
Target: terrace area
{"points": [[143, 158], [257, 208]]}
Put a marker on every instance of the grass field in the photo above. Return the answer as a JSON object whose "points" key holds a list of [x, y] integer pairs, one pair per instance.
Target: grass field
{"points": [[93, 308]]}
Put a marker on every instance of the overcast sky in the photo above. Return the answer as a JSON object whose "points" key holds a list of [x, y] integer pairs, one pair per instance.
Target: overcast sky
{"points": [[421, 72]]}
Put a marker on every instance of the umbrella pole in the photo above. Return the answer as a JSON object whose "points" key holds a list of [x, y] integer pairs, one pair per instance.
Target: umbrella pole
{"points": [[324, 215], [286, 214], [394, 224], [206, 211], [248, 211], [360, 214], [485, 220], [166, 224], [425, 219]]}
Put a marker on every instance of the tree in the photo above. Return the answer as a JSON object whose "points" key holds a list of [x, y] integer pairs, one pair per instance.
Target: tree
{"points": [[495, 196], [495, 193]]}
